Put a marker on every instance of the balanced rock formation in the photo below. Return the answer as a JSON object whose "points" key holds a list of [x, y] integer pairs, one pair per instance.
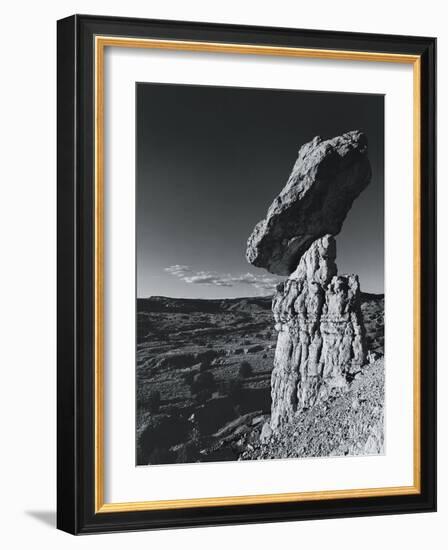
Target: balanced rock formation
{"points": [[321, 337], [326, 179]]}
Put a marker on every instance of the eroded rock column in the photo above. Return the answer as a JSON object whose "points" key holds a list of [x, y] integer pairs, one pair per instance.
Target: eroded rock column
{"points": [[321, 341]]}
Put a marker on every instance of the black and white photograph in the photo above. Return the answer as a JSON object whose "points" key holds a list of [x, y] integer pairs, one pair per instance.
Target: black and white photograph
{"points": [[260, 274]]}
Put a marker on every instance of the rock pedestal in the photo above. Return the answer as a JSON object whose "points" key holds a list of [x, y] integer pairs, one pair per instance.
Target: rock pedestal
{"points": [[321, 341]]}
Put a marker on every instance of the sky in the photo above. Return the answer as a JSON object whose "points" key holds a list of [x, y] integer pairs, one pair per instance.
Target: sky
{"points": [[210, 161]]}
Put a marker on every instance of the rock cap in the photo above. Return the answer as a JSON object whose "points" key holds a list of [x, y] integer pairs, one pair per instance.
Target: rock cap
{"points": [[326, 178]]}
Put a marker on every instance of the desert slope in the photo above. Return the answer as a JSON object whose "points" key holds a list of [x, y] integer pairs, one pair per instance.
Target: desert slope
{"points": [[203, 378]]}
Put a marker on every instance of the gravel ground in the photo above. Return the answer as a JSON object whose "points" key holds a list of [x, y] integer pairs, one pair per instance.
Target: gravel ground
{"points": [[349, 423]]}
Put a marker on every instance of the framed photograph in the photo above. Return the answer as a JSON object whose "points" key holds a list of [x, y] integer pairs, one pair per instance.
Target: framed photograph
{"points": [[246, 274]]}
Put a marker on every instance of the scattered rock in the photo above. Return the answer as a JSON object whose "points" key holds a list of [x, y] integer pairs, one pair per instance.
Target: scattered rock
{"points": [[266, 432], [257, 420], [253, 349], [232, 427], [338, 430]]}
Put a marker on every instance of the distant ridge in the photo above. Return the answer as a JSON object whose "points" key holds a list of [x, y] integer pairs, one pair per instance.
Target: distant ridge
{"points": [[160, 304], [157, 304], [365, 296]]}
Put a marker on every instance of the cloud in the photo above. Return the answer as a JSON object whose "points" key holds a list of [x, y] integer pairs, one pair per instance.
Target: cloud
{"points": [[263, 283], [258, 281], [179, 270], [207, 278]]}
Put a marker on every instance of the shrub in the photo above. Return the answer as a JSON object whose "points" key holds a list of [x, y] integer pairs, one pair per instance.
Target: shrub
{"points": [[160, 434], [189, 377], [201, 396], [205, 365], [245, 370], [188, 452], [161, 456], [235, 391], [203, 385], [153, 402]]}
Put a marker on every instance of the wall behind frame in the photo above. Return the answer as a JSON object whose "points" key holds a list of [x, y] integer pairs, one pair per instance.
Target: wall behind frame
{"points": [[27, 278]]}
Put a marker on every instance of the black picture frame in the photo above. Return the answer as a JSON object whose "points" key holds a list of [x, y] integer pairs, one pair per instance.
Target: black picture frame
{"points": [[76, 511]]}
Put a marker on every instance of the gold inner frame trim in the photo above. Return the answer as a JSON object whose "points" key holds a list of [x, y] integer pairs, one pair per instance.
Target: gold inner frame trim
{"points": [[101, 42]]}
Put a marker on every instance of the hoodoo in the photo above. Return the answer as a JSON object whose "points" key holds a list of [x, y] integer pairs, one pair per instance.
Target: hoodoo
{"points": [[321, 337]]}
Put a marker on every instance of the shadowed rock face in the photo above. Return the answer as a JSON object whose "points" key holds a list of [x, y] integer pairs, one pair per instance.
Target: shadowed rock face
{"points": [[321, 337], [324, 182]]}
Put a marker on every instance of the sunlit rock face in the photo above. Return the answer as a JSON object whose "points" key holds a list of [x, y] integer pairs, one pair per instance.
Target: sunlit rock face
{"points": [[321, 338], [325, 180]]}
